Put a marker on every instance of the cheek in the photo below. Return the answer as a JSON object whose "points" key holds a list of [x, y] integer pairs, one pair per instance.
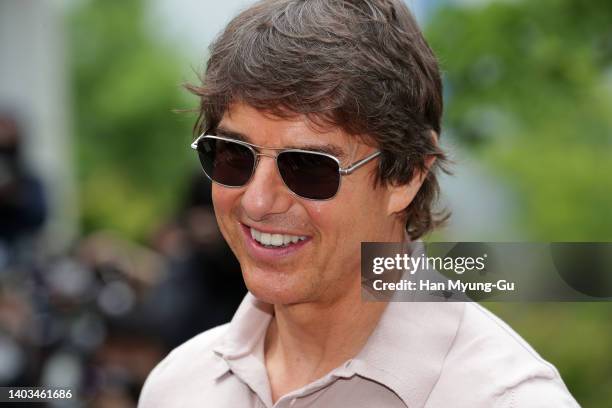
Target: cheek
{"points": [[336, 218], [321, 215], [361, 209], [223, 201]]}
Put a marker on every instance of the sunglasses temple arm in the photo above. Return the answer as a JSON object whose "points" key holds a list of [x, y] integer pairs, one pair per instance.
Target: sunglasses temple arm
{"points": [[358, 164], [194, 144]]}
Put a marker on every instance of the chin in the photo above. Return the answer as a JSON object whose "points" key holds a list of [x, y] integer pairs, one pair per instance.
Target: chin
{"points": [[272, 286]]}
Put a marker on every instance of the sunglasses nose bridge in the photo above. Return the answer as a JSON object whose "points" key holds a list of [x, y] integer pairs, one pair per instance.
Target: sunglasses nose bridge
{"points": [[257, 155], [274, 157]]}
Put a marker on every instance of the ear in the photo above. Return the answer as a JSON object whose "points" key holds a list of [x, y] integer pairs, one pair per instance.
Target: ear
{"points": [[400, 196]]}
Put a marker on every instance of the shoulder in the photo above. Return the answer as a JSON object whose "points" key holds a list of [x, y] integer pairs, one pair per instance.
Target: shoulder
{"points": [[489, 364], [193, 359]]}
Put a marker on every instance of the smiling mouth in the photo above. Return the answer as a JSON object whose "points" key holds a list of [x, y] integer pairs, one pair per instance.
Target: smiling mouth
{"points": [[268, 240]]}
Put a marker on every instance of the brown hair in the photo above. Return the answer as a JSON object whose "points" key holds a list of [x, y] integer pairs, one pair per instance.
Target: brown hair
{"points": [[361, 65]]}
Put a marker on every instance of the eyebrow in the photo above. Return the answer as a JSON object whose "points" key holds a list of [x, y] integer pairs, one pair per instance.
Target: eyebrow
{"points": [[329, 149]]}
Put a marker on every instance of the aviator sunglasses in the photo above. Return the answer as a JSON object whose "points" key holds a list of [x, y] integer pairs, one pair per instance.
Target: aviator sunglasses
{"points": [[309, 174]]}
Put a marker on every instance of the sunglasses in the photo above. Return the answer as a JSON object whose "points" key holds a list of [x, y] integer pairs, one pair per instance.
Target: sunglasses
{"points": [[308, 174]]}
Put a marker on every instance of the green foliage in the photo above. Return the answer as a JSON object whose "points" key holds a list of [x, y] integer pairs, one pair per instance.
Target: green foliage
{"points": [[529, 86], [529, 92], [132, 147]]}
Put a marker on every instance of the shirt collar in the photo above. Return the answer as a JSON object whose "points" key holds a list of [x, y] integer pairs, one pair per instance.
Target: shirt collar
{"points": [[247, 327], [406, 350]]}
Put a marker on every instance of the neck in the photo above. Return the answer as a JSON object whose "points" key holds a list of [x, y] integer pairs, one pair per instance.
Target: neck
{"points": [[306, 341]]}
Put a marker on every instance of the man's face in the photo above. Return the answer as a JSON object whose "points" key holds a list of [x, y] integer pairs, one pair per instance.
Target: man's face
{"points": [[325, 265]]}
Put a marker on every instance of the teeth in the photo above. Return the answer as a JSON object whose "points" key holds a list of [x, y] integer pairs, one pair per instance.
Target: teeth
{"points": [[276, 240]]}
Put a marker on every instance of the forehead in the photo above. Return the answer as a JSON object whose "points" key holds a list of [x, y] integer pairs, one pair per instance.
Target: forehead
{"points": [[295, 131]]}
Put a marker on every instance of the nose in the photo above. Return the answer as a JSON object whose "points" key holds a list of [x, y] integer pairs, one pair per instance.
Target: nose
{"points": [[265, 194]]}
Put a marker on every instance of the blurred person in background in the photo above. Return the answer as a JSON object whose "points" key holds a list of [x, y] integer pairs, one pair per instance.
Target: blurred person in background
{"points": [[23, 206], [297, 97]]}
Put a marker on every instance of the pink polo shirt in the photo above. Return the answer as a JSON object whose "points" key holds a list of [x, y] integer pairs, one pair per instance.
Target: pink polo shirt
{"points": [[420, 355]]}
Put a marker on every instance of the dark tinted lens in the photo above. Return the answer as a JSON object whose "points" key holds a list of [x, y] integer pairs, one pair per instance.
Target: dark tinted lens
{"points": [[227, 163], [309, 175]]}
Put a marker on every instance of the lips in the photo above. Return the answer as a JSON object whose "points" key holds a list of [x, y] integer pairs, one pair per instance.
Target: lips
{"points": [[272, 247]]}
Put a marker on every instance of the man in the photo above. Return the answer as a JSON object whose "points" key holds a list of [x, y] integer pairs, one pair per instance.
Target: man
{"points": [[319, 123]]}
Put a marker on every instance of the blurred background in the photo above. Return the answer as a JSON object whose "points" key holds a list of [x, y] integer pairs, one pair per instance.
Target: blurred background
{"points": [[109, 252]]}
